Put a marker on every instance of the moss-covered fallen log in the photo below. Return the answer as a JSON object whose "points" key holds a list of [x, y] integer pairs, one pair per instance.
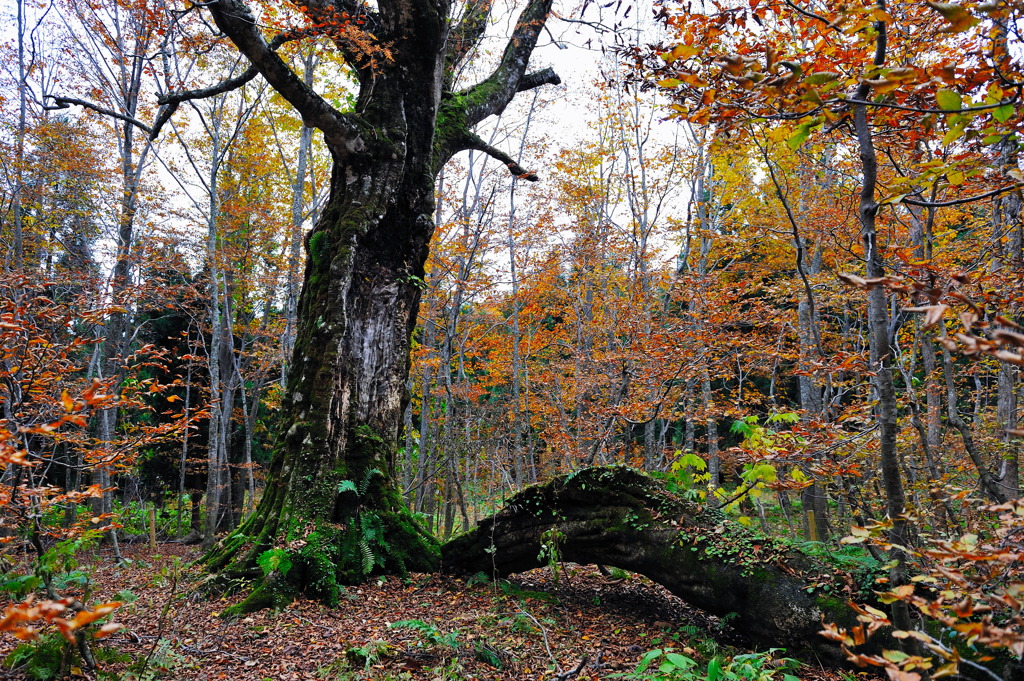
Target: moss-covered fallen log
{"points": [[621, 518]]}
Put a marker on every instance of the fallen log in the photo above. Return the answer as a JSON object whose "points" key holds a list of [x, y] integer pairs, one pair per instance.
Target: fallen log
{"points": [[618, 517]]}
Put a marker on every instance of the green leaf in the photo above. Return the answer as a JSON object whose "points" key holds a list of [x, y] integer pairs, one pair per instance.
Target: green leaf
{"points": [[741, 427], [680, 52], [273, 560], [714, 669], [802, 133], [797, 139], [895, 198], [346, 486], [763, 472], [959, 18], [955, 133], [949, 100], [821, 77], [680, 661], [690, 460], [1003, 113]]}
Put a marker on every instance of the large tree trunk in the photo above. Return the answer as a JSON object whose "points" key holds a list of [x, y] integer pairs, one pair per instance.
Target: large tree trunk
{"points": [[331, 501], [331, 479], [619, 517]]}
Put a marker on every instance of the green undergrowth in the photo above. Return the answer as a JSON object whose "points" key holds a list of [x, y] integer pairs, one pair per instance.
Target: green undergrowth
{"points": [[668, 664], [320, 559]]}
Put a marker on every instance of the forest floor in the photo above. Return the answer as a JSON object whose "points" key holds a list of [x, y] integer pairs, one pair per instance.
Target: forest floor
{"points": [[572, 623]]}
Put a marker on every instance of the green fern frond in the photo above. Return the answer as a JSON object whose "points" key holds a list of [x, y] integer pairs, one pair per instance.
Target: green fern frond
{"points": [[368, 557], [364, 485]]}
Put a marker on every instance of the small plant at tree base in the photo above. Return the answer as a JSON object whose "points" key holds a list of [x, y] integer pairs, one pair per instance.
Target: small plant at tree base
{"points": [[549, 551], [363, 656], [275, 560], [488, 654], [46, 658], [667, 665], [431, 635], [159, 664]]}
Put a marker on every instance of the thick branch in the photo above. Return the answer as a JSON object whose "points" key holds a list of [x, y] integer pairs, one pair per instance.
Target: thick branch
{"points": [[491, 96], [621, 518], [66, 102], [350, 9], [468, 33], [348, 40], [170, 102], [237, 22], [469, 140], [537, 78], [812, 15], [859, 99]]}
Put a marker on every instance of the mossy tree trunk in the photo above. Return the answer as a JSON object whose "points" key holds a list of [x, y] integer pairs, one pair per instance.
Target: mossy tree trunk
{"points": [[619, 517], [331, 511]]}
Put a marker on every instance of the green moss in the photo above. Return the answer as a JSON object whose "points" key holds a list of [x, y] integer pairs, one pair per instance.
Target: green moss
{"points": [[834, 608], [451, 116], [277, 594]]}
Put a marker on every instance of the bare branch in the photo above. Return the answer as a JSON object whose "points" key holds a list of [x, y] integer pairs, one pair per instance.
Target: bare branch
{"points": [[957, 202], [465, 36], [66, 102], [812, 15], [903, 107], [469, 140], [171, 101]]}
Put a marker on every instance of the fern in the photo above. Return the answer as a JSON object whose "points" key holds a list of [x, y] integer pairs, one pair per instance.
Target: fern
{"points": [[368, 558], [364, 485], [369, 528], [372, 536]]}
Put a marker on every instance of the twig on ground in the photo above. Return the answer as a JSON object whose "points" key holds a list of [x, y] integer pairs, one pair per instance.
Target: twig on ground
{"points": [[572, 672]]}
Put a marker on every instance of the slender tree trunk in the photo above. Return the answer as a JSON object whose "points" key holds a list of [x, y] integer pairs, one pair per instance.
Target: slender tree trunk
{"points": [[881, 352], [183, 463], [425, 474], [219, 411], [18, 260], [298, 221], [988, 483], [1008, 239]]}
